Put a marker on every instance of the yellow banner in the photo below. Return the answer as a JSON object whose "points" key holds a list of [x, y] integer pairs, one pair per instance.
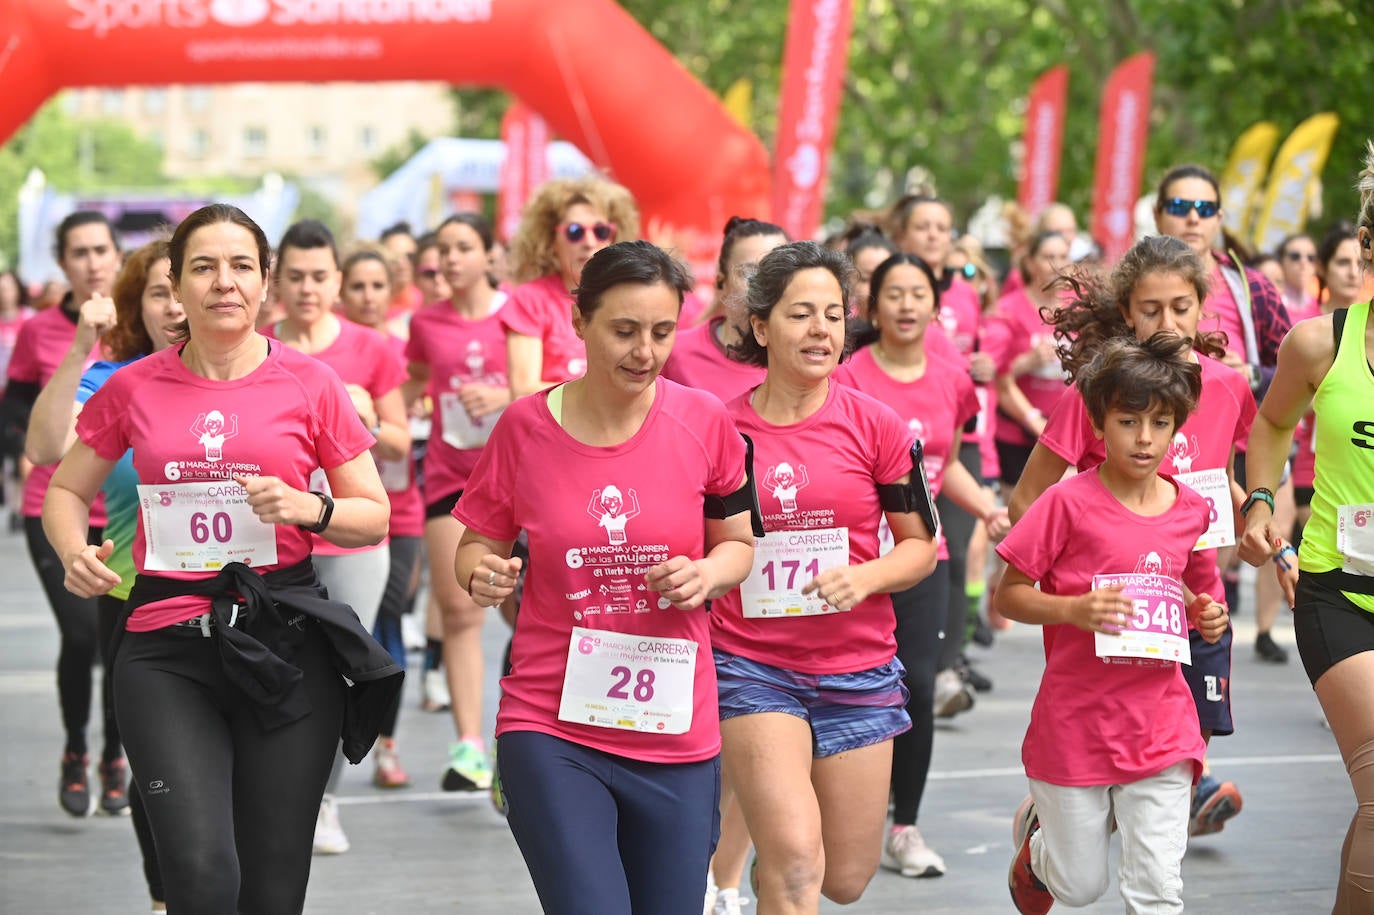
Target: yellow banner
{"points": [[1244, 176], [1293, 180], [739, 101]]}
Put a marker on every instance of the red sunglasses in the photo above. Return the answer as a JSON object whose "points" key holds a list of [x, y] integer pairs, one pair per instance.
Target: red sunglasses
{"points": [[574, 232]]}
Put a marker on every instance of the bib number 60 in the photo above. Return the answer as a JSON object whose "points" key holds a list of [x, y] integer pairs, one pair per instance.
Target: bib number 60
{"points": [[218, 525]]}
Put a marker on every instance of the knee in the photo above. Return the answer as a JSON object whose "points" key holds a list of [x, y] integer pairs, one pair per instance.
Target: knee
{"points": [[848, 885], [460, 616], [1078, 892], [795, 874]]}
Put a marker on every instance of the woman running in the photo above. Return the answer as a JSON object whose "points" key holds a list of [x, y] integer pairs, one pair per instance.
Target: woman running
{"points": [[229, 670], [608, 731], [811, 690]]}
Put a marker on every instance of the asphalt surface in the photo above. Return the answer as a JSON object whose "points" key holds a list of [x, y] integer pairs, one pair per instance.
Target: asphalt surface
{"points": [[421, 850]]}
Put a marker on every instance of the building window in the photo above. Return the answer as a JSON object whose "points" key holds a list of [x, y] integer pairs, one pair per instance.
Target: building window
{"points": [[367, 139], [154, 101], [315, 140], [156, 138], [200, 143], [112, 102], [254, 141], [197, 98]]}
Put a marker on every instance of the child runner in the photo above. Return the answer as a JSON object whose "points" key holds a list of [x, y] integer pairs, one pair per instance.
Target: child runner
{"points": [[1159, 286], [1107, 549]]}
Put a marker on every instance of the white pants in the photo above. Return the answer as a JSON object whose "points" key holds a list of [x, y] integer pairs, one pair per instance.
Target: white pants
{"points": [[358, 579], [1069, 852]]}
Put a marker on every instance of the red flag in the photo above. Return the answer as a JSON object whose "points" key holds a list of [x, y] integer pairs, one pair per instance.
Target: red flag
{"points": [[813, 68], [1123, 129], [1044, 139], [525, 167]]}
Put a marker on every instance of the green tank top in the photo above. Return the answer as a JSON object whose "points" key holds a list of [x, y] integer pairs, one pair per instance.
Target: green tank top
{"points": [[1341, 532]]}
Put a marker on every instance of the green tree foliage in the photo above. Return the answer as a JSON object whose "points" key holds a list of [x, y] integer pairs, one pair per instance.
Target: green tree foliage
{"points": [[77, 157], [941, 85]]}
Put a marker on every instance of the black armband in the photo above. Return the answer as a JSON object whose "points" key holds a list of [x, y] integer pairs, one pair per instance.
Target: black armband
{"points": [[914, 495], [746, 498]]}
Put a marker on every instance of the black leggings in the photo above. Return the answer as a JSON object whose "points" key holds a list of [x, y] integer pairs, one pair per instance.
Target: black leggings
{"points": [[232, 807], [958, 526], [920, 614], [397, 599], [85, 633]]}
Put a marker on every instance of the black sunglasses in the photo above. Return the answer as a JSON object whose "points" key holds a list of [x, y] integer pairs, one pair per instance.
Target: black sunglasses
{"points": [[574, 232], [1177, 206], [1300, 255]]}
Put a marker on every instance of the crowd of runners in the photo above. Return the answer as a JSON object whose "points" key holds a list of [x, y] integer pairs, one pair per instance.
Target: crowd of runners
{"points": [[742, 535]]}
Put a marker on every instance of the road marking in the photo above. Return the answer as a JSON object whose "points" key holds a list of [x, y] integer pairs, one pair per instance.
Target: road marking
{"points": [[404, 797]]}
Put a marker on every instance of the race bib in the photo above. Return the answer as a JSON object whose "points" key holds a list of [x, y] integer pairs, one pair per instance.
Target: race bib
{"points": [[1215, 488], [784, 563], [198, 527], [319, 481], [629, 682], [395, 474], [1355, 538], [1157, 627], [460, 429]]}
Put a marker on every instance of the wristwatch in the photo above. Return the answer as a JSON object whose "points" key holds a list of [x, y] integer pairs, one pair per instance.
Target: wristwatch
{"points": [[1260, 494], [326, 512]]}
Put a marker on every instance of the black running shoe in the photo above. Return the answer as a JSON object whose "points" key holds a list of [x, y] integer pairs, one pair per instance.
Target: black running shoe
{"points": [[1269, 650], [114, 787], [74, 789], [975, 679]]}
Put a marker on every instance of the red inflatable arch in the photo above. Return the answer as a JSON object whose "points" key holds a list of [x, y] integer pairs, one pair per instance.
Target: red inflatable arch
{"points": [[595, 75]]}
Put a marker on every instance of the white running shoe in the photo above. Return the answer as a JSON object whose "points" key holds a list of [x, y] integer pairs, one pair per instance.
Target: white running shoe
{"points": [[952, 694], [709, 907], [329, 834], [434, 693], [906, 852], [728, 902]]}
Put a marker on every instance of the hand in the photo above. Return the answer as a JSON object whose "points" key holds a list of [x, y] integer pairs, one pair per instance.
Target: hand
{"points": [[96, 319], [274, 502], [841, 587], [362, 402], [1237, 362], [1287, 573], [1105, 610], [494, 580], [1208, 617], [1046, 352], [482, 399], [982, 368], [1262, 537], [681, 581], [87, 575], [998, 523]]}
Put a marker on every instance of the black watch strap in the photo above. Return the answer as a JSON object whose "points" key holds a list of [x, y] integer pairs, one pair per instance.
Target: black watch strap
{"points": [[326, 513]]}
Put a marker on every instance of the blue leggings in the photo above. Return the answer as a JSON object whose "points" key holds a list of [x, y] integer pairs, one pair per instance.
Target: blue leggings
{"points": [[606, 835]]}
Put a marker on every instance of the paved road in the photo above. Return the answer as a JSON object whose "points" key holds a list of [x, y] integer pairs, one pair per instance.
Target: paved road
{"points": [[421, 850]]}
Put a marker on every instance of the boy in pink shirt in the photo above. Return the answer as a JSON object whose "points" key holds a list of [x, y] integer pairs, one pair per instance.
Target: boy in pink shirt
{"points": [[1109, 550]]}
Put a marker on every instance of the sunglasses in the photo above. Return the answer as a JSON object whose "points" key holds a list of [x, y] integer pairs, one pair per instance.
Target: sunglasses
{"points": [[574, 232], [1299, 255], [429, 273], [1177, 206]]}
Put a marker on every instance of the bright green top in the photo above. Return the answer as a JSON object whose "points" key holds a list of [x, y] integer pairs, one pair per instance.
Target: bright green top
{"points": [[1344, 445]]}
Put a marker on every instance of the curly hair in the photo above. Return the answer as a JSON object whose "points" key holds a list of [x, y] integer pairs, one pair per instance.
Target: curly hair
{"points": [[1097, 311], [1140, 375], [1365, 185], [532, 251], [129, 338]]}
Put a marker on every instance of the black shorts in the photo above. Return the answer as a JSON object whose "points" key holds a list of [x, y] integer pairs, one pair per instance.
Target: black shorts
{"points": [[1209, 677], [1329, 627], [443, 507], [1302, 495], [1011, 461]]}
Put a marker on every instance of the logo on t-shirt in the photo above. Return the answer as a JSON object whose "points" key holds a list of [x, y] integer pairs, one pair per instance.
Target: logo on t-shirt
{"points": [[476, 359], [610, 511], [210, 430], [1183, 450], [917, 428], [784, 482], [1151, 564]]}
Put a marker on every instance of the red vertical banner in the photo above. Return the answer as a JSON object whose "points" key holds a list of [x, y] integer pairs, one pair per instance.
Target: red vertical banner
{"points": [[1123, 130], [525, 167], [1044, 139], [813, 67]]}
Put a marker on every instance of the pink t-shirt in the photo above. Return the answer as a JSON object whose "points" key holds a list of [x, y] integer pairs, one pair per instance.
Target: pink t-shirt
{"points": [[1221, 312], [819, 475], [286, 418], [699, 361], [38, 350], [1025, 327], [1305, 452], [933, 407], [458, 351], [1096, 723], [961, 315], [597, 520], [995, 339], [361, 356], [542, 308], [9, 336], [398, 478]]}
